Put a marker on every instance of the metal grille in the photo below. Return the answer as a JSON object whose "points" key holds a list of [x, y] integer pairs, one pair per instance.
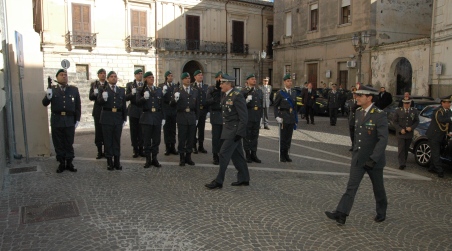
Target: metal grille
{"points": [[23, 169], [54, 211]]}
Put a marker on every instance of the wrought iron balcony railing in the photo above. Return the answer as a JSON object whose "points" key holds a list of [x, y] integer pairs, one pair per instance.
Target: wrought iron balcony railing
{"points": [[81, 39], [239, 48], [170, 44], [270, 51], [138, 43]]}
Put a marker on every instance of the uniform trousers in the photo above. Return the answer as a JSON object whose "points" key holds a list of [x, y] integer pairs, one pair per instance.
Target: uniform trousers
{"points": [[286, 136], [135, 132], [252, 134], [63, 140], [112, 139], [265, 116], [351, 129], [216, 138], [309, 113], [152, 137], [435, 163], [186, 138], [169, 129], [98, 135], [232, 150], [201, 127], [333, 115], [403, 145]]}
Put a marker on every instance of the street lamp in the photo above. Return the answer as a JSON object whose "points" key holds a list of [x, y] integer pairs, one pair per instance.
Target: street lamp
{"points": [[257, 58], [360, 42]]}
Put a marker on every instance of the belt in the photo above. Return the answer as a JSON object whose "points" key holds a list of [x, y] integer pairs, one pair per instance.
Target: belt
{"points": [[216, 110], [111, 109], [151, 110], [254, 108], [284, 109], [185, 110], [64, 113]]}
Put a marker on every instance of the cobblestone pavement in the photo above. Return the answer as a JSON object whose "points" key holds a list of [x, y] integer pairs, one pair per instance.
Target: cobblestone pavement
{"points": [[169, 208]]}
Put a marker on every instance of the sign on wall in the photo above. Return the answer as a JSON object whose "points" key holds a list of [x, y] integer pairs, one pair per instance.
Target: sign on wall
{"points": [[20, 53]]}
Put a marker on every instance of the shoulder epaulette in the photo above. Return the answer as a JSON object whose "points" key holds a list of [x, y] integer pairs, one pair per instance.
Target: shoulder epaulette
{"points": [[376, 110], [359, 108]]}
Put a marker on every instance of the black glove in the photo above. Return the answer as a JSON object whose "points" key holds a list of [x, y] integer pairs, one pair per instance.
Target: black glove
{"points": [[369, 165], [237, 138], [217, 85]]}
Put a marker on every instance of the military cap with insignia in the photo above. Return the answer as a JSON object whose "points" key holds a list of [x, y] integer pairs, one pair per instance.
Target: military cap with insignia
{"points": [[137, 71], [60, 71], [184, 75], [147, 74], [218, 74], [226, 78], [286, 77], [447, 98], [167, 73], [197, 72], [101, 70], [367, 90], [109, 74], [406, 100], [250, 76]]}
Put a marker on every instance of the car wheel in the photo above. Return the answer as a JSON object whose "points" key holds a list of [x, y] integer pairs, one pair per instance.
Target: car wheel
{"points": [[422, 153]]}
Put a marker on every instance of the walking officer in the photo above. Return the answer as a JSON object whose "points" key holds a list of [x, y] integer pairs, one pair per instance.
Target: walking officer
{"points": [[150, 99], [185, 99], [134, 112], [113, 118], [334, 102], [406, 119], [66, 112], [97, 109], [203, 110], [169, 113], [371, 138], [309, 97], [267, 91], [352, 106], [216, 118], [286, 115], [234, 118], [254, 103]]}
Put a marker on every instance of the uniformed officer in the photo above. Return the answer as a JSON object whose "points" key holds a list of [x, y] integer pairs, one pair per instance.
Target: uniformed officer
{"points": [[169, 113], [406, 119], [352, 106], [254, 103], [134, 112], [235, 119], [113, 118], [267, 91], [436, 134], [66, 112], [371, 138], [334, 102], [216, 118], [150, 99], [309, 97], [286, 115], [203, 110], [185, 99], [97, 109]]}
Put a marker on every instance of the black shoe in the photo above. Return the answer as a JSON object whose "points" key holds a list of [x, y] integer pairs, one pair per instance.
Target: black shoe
{"points": [[135, 155], [379, 218], [266, 128], [182, 159], [61, 167], [70, 166], [308, 122], [99, 152], [216, 159], [154, 161], [350, 150], [255, 158], [337, 216], [201, 148], [148, 162], [195, 149], [213, 185], [110, 164], [168, 150], [286, 156], [248, 156], [173, 149], [240, 183], [282, 158], [117, 165], [312, 123], [188, 159], [401, 167], [441, 175]]}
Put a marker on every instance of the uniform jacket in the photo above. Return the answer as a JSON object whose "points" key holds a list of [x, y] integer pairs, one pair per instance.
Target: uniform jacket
{"points": [[384, 99], [213, 97], [235, 115], [97, 108], [439, 125], [267, 92], [371, 137], [133, 110], [309, 98], [334, 99], [202, 97], [255, 105], [402, 120], [185, 101], [167, 109], [152, 108], [352, 106], [116, 100], [64, 101], [283, 109]]}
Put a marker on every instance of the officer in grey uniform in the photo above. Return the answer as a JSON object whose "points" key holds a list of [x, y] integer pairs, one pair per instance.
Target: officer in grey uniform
{"points": [[371, 138], [352, 106], [150, 99], [234, 119], [267, 91], [286, 115], [97, 109], [66, 112], [436, 133], [185, 99], [203, 110], [406, 119], [254, 103], [216, 118], [334, 102], [113, 118], [134, 112], [169, 113]]}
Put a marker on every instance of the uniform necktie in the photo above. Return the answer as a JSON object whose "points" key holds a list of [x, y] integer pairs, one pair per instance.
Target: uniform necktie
{"points": [[114, 88], [187, 90], [406, 111]]}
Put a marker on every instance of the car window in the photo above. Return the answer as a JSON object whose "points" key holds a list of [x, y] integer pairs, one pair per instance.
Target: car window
{"points": [[428, 112]]}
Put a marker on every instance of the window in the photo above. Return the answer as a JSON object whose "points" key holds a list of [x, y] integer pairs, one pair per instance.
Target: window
{"points": [[314, 15], [287, 69], [238, 37], [270, 40], [37, 15], [136, 67], [289, 24], [139, 24], [237, 76], [81, 18], [345, 12], [192, 32], [82, 71], [312, 74]]}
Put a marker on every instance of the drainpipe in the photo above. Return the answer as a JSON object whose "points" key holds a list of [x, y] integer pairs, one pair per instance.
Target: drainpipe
{"points": [[155, 48], [430, 58], [226, 23]]}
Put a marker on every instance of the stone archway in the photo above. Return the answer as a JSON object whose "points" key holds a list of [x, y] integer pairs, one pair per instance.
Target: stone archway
{"points": [[403, 75], [191, 67]]}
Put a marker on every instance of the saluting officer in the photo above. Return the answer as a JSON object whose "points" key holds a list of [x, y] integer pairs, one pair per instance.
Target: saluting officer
{"points": [[66, 112], [113, 118], [371, 138], [216, 118], [203, 110], [436, 134], [286, 115], [150, 99], [134, 112], [334, 102], [169, 113], [254, 103], [97, 109], [406, 119], [352, 106], [185, 99], [234, 118]]}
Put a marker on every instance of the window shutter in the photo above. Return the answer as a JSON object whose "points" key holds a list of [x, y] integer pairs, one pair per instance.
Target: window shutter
{"points": [[81, 18], [139, 24]]}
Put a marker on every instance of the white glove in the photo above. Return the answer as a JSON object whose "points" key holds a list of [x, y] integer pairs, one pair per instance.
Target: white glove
{"points": [[208, 115], [146, 95], [176, 96], [105, 95], [96, 91], [279, 120], [49, 94], [134, 91], [124, 124], [76, 123], [249, 98], [165, 88], [163, 122], [196, 122]]}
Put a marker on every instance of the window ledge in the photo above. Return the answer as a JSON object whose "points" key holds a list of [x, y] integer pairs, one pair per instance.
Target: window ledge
{"points": [[344, 25], [312, 31]]}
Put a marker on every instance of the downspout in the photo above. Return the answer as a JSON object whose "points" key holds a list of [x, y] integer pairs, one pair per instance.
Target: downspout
{"points": [[226, 25], [430, 56], [155, 48], [261, 66]]}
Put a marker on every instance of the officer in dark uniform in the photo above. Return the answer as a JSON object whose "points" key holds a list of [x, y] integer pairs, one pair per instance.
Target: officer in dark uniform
{"points": [[150, 98], [66, 112], [286, 115], [169, 113], [113, 118], [97, 109], [134, 112], [334, 102], [352, 106], [203, 110], [371, 138], [185, 99], [309, 97], [235, 119], [436, 134], [254, 102], [406, 119], [216, 118]]}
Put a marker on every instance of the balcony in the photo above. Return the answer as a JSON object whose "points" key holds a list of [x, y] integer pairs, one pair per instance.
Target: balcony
{"points": [[270, 51], [183, 45], [138, 43], [239, 48], [80, 40]]}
